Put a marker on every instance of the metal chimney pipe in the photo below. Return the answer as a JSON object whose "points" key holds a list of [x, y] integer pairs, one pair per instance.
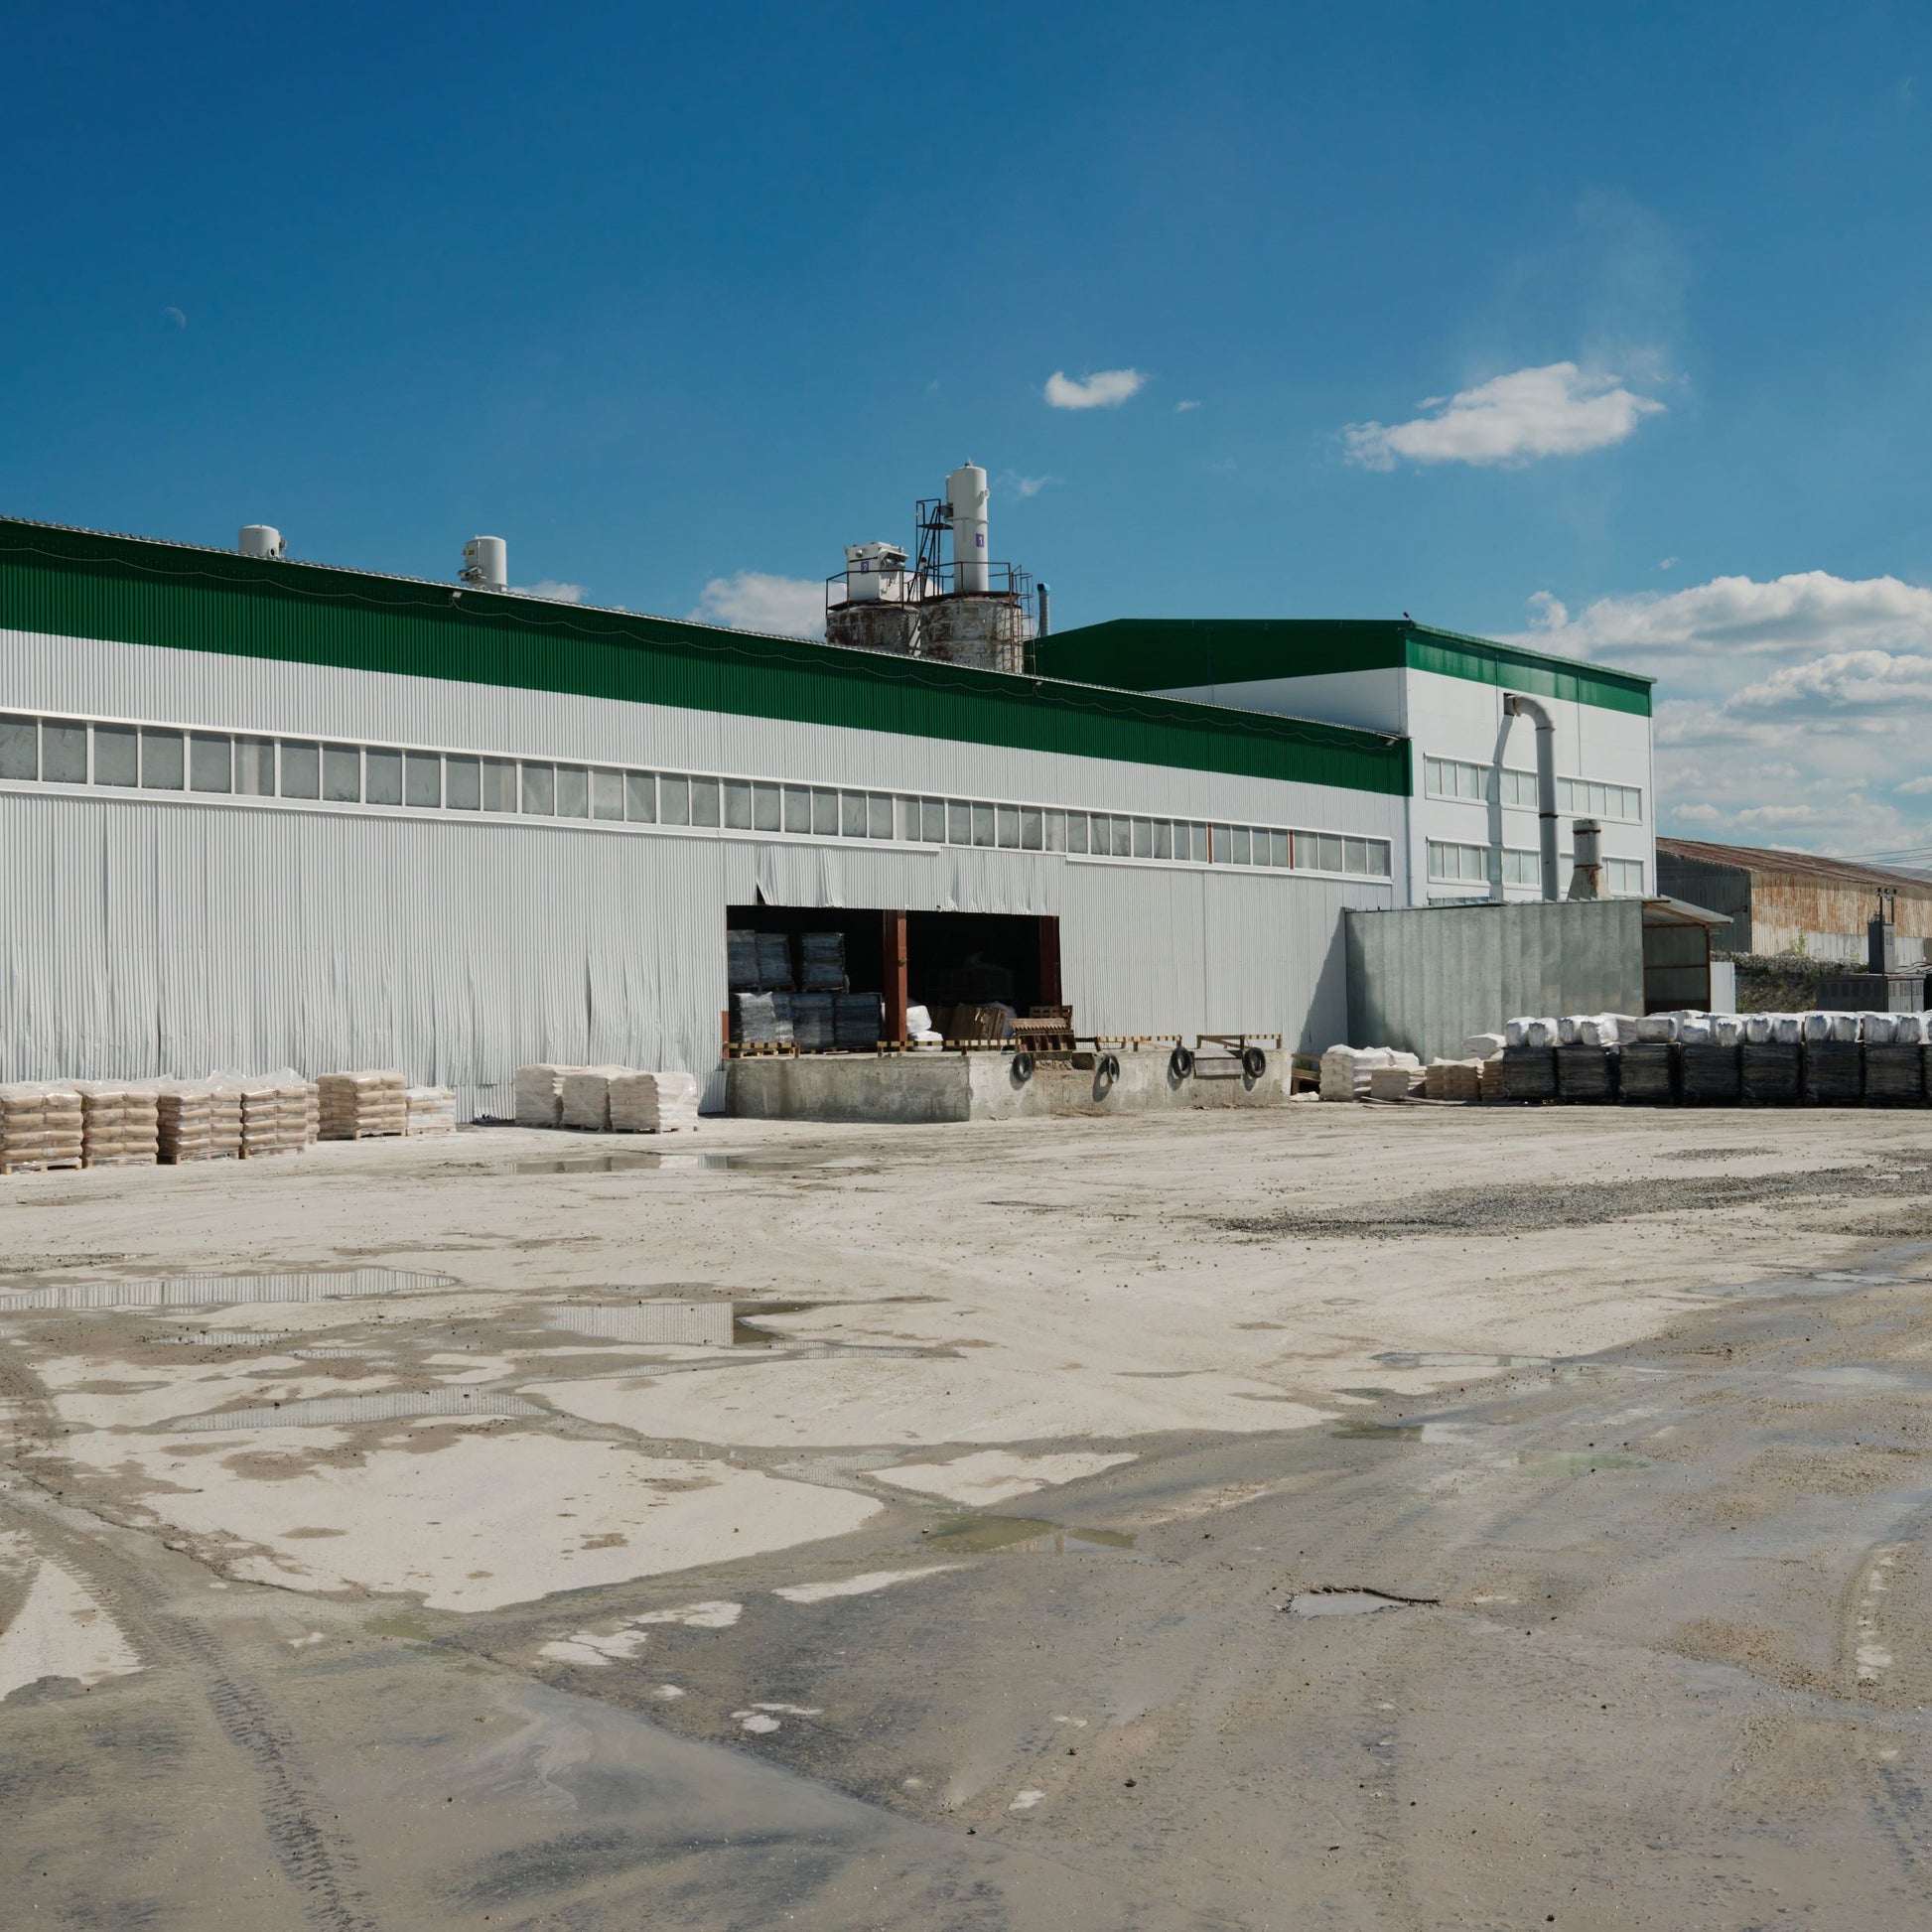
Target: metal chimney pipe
{"points": [[1517, 706], [1587, 871], [1046, 597]]}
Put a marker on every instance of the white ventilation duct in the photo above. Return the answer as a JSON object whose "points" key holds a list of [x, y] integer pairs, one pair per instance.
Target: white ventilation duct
{"points": [[262, 540], [1516, 706], [487, 564]]}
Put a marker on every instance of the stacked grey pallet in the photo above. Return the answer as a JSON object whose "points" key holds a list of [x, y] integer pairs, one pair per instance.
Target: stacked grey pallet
{"points": [[1895, 1060], [857, 1021], [757, 962], [813, 1022], [1833, 1059], [821, 963], [758, 1021]]}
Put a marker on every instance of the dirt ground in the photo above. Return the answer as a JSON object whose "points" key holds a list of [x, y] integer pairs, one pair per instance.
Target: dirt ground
{"points": [[1062, 1525]]}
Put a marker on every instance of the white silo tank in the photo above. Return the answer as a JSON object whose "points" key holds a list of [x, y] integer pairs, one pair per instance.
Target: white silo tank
{"points": [[486, 563], [260, 540], [966, 493]]}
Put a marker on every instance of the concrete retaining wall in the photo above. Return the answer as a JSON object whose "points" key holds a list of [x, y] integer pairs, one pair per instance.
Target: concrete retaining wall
{"points": [[924, 1088]]}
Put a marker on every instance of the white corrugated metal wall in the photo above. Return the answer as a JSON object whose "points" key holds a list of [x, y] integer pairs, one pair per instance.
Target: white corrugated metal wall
{"points": [[144, 936]]}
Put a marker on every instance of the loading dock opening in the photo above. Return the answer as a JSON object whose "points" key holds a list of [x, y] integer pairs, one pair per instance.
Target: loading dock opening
{"points": [[937, 960]]}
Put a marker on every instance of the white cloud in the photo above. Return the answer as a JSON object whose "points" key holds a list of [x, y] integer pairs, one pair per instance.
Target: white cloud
{"points": [[1670, 563], [1012, 479], [1103, 389], [1556, 410], [1791, 711], [1182, 408], [753, 600], [549, 586]]}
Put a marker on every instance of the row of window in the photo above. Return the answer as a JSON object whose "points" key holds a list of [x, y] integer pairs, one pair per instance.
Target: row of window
{"points": [[1483, 865], [62, 751], [1458, 778]]}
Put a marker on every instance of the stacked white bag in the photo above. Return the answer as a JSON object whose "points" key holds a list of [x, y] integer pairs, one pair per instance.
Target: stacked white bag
{"points": [[119, 1124], [1394, 1082], [185, 1120], [1346, 1070], [359, 1106], [540, 1093], [1482, 1047], [431, 1110], [277, 1110], [653, 1103], [1531, 1031], [41, 1125], [587, 1097]]}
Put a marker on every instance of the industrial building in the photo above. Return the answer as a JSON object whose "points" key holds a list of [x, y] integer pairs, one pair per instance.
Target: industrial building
{"points": [[1796, 902], [257, 812]]}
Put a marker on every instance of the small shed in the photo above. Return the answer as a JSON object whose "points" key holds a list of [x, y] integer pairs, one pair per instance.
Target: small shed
{"points": [[1424, 978]]}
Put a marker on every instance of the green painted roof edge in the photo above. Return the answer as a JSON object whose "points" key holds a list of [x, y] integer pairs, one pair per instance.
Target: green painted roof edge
{"points": [[134, 589], [1179, 653]]}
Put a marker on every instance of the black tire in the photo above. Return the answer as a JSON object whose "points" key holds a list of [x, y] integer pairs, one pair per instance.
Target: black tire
{"points": [[1109, 1067], [1181, 1063], [1254, 1062], [1022, 1067]]}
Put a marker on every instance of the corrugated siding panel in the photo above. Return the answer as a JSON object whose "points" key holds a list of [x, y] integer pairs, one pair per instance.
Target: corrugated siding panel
{"points": [[147, 938], [77, 583], [1424, 978]]}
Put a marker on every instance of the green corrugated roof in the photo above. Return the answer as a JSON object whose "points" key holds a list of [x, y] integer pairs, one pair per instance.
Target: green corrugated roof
{"points": [[1184, 653], [132, 590]]}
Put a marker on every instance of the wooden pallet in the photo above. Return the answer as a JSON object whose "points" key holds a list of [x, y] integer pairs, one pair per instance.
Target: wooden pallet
{"points": [[35, 1166], [761, 1050]]}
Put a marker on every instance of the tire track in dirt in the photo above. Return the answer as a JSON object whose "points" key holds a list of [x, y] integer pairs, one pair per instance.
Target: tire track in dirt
{"points": [[317, 1862]]}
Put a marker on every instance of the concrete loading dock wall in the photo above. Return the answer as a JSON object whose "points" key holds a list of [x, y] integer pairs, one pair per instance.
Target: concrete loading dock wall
{"points": [[920, 1088]]}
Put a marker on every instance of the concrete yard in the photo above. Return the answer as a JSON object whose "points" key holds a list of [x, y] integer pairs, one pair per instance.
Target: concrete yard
{"points": [[1074, 1523]]}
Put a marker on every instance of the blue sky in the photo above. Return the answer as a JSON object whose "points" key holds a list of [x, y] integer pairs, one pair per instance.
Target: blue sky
{"points": [[1606, 326]]}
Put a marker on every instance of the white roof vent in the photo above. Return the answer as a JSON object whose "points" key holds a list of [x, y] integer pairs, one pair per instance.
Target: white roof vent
{"points": [[262, 540], [486, 563]]}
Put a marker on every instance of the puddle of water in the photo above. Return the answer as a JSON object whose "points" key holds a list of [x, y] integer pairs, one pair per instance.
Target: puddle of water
{"points": [[323, 1412], [1023, 1536], [1395, 1358], [670, 1163], [1856, 1377], [1351, 1602], [211, 1290], [1564, 1464], [676, 1324], [1408, 1432]]}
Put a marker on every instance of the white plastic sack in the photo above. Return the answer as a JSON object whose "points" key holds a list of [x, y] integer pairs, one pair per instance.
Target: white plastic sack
{"points": [[1726, 1030], [1483, 1046], [1694, 1029], [1657, 1027], [1878, 1029]]}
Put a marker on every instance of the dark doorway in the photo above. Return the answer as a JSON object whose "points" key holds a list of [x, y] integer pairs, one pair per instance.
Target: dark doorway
{"points": [[974, 958]]}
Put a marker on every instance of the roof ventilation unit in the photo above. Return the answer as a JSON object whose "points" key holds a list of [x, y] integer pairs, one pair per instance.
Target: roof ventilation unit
{"points": [[262, 540], [487, 564]]}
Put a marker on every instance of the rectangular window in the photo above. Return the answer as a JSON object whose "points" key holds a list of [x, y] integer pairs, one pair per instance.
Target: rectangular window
{"points": [[798, 809], [1220, 844], [640, 797], [767, 808], [879, 815], [161, 761], [1123, 837], [422, 780], [1623, 878], [342, 774], [959, 823], [909, 820], [254, 768], [1198, 838], [210, 762], [1100, 835], [825, 813], [1163, 839], [573, 791], [539, 790], [1354, 855], [704, 801], [1278, 848], [1032, 835], [462, 784], [607, 794], [674, 800], [499, 784], [738, 804], [20, 749], [1142, 838], [381, 776], [301, 766], [1240, 853], [63, 752], [852, 814], [982, 824], [1076, 831], [933, 815], [116, 755], [1006, 820]]}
